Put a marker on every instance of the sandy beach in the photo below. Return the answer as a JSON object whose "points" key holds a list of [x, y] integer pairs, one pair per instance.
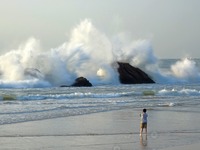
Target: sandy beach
{"points": [[114, 130]]}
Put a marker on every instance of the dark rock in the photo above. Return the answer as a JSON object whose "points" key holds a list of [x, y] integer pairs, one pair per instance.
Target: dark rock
{"points": [[81, 81], [64, 86], [131, 75]]}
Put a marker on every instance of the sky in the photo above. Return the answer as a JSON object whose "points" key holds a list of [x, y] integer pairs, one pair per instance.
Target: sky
{"points": [[172, 26]]}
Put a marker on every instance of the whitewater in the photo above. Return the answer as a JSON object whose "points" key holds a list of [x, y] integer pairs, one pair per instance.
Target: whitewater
{"points": [[30, 78], [89, 53]]}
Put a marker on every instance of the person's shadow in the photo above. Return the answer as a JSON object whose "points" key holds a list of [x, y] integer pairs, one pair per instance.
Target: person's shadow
{"points": [[143, 140]]}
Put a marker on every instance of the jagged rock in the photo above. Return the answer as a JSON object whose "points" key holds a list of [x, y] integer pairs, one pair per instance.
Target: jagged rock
{"points": [[131, 75], [81, 81], [64, 86]]}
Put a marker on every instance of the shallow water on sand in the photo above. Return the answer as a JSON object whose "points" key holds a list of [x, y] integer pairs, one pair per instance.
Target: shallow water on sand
{"points": [[115, 130]]}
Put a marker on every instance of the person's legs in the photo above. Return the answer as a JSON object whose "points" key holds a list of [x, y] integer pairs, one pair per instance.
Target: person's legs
{"points": [[146, 130], [143, 126], [141, 130]]}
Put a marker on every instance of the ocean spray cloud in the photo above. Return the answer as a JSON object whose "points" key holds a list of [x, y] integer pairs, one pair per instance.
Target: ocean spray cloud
{"points": [[90, 53], [186, 69]]}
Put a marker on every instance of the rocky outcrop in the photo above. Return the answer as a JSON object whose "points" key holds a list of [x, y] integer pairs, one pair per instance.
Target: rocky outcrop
{"points": [[81, 81], [131, 75], [127, 75]]}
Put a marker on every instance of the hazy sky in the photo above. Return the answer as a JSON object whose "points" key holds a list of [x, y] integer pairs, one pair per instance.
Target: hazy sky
{"points": [[173, 26]]}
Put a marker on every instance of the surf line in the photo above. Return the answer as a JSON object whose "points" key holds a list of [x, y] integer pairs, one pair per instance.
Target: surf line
{"points": [[95, 134], [57, 135]]}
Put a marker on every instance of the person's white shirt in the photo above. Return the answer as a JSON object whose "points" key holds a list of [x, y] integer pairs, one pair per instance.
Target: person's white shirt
{"points": [[144, 117]]}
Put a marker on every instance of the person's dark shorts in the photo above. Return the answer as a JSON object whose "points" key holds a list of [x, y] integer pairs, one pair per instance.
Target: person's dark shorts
{"points": [[143, 125]]}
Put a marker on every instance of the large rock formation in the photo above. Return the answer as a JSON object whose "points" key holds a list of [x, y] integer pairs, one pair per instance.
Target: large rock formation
{"points": [[131, 75], [81, 81], [127, 75]]}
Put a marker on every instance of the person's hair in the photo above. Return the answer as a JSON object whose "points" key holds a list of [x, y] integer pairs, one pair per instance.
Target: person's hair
{"points": [[144, 110]]}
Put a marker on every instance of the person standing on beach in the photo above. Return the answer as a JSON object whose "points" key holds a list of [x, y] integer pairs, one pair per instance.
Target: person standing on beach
{"points": [[143, 122]]}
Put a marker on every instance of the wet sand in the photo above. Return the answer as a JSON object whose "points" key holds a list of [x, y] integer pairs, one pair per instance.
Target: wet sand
{"points": [[114, 130]]}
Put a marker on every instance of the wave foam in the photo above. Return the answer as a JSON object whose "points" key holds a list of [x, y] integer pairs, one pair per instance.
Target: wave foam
{"points": [[88, 53]]}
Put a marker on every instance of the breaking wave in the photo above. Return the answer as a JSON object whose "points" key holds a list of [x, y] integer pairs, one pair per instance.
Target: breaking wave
{"points": [[88, 53]]}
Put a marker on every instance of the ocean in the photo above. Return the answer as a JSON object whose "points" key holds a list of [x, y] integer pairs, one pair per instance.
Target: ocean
{"points": [[30, 78], [28, 104]]}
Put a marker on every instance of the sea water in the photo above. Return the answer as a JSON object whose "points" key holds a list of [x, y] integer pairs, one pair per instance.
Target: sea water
{"points": [[28, 104], [30, 78]]}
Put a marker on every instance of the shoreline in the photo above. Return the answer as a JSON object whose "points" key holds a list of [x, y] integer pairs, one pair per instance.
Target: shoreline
{"points": [[114, 130]]}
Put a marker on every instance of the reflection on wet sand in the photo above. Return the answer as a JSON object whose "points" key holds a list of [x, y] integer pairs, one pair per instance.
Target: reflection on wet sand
{"points": [[143, 141]]}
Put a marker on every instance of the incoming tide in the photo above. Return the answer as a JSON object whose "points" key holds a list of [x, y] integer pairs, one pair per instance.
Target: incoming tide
{"points": [[29, 104]]}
